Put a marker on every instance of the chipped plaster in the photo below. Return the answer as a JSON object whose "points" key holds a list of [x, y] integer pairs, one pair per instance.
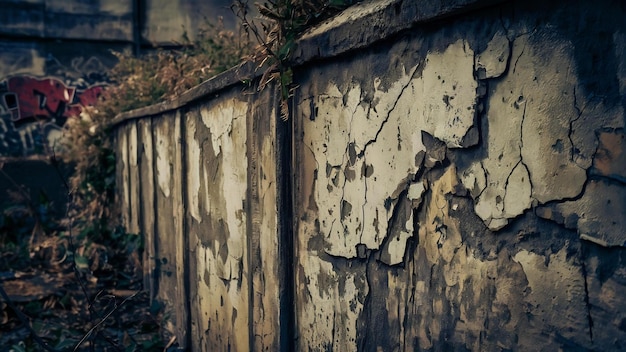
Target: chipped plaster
{"points": [[372, 146], [459, 187]]}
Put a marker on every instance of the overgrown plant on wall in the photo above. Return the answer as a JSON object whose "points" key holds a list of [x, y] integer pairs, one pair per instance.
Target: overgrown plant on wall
{"points": [[282, 22]]}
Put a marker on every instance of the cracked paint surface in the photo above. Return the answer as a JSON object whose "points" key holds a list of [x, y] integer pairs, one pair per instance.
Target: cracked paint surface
{"points": [[540, 116], [168, 249], [460, 186], [216, 161], [466, 189], [367, 154]]}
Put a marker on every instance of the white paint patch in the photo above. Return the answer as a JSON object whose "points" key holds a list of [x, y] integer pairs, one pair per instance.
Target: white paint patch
{"points": [[493, 61], [226, 122], [163, 170], [193, 169], [448, 94], [218, 120], [132, 145]]}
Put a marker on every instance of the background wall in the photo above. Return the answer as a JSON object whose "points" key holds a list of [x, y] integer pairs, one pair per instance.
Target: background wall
{"points": [[54, 56], [457, 182]]}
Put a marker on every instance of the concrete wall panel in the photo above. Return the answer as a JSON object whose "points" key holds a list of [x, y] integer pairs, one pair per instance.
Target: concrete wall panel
{"points": [[147, 202], [122, 174], [216, 158], [170, 240], [263, 217], [134, 179]]}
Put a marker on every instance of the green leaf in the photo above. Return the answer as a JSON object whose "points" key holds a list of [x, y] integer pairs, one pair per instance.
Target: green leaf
{"points": [[82, 263]]}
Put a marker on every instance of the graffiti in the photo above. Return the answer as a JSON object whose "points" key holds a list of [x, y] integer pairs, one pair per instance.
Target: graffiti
{"points": [[31, 98], [80, 73], [33, 110]]}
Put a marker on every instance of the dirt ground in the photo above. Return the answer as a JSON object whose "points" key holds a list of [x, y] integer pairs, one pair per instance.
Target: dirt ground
{"points": [[54, 305], [64, 293]]}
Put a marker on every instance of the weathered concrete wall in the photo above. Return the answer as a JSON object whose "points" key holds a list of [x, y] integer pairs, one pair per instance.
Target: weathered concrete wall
{"points": [[457, 187], [200, 182], [457, 182]]}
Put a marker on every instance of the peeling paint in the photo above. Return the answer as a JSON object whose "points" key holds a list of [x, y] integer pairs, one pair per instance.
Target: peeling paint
{"points": [[494, 60], [217, 163], [361, 137], [456, 187], [529, 116], [193, 181], [163, 165]]}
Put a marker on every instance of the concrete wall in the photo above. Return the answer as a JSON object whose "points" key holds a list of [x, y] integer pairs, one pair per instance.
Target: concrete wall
{"points": [[200, 182], [452, 178]]}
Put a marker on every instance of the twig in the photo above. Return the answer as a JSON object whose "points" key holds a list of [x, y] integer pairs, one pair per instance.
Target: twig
{"points": [[25, 321], [103, 320]]}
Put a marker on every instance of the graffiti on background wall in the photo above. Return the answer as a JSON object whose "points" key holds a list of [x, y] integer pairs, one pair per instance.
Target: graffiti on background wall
{"points": [[33, 111]]}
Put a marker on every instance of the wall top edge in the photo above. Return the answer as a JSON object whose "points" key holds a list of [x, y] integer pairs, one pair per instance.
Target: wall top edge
{"points": [[356, 27], [371, 21], [244, 72]]}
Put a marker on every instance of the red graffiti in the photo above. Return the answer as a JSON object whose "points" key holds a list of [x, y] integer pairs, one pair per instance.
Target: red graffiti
{"points": [[85, 97], [28, 97]]}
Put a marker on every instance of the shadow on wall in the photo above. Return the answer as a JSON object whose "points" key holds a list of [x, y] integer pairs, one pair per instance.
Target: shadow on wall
{"points": [[33, 111]]}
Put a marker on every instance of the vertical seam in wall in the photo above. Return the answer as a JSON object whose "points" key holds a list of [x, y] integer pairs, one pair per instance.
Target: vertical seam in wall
{"points": [[251, 173], [286, 224], [129, 211], [140, 205], [183, 223]]}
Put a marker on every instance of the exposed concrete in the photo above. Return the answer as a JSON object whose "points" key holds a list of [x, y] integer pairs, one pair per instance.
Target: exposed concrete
{"points": [[147, 204], [457, 186], [217, 162]]}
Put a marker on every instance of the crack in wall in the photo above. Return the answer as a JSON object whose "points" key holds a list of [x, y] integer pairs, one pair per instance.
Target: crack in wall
{"points": [[393, 107], [519, 56], [573, 150], [520, 100]]}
